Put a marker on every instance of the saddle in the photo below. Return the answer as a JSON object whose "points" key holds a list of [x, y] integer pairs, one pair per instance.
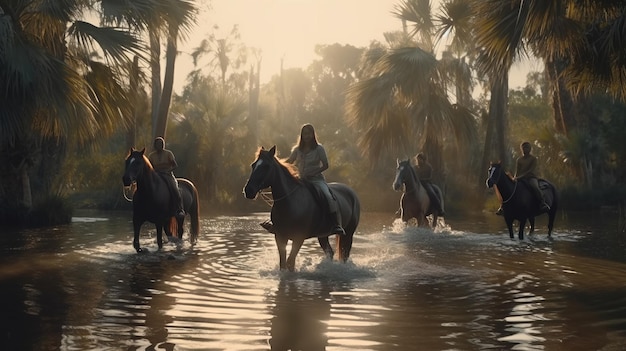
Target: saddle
{"points": [[318, 195]]}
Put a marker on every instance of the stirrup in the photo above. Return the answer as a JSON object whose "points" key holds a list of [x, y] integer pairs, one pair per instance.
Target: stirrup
{"points": [[269, 226], [499, 212]]}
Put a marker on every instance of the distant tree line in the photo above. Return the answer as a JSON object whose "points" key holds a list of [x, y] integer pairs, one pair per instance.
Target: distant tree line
{"points": [[79, 96]]}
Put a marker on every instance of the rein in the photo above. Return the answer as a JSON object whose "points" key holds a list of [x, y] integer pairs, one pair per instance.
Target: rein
{"points": [[268, 196], [514, 187], [132, 187]]}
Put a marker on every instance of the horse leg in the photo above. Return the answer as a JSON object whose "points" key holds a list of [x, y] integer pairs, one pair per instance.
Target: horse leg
{"points": [[179, 227], [531, 220], [509, 225], [551, 215], [328, 250], [159, 230], [435, 218], [136, 228], [281, 245], [522, 224], [295, 248]]}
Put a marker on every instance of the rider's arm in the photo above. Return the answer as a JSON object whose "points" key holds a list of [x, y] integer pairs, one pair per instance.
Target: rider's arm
{"points": [[172, 161], [292, 158], [320, 166], [525, 169]]}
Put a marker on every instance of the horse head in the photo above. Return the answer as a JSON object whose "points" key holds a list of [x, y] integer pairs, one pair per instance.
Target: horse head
{"points": [[403, 171], [494, 174], [134, 166], [261, 171]]}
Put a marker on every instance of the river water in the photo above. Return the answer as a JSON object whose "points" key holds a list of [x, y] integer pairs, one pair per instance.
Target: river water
{"points": [[464, 286]]}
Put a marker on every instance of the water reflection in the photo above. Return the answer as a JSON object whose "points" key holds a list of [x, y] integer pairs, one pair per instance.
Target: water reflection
{"points": [[464, 287], [301, 311]]}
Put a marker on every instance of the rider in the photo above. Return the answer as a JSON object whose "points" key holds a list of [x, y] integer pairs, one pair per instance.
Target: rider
{"points": [[424, 172], [164, 162], [310, 158], [526, 170]]}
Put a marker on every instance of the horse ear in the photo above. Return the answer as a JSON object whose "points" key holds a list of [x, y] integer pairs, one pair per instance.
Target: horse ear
{"points": [[397, 161], [143, 150], [273, 151]]}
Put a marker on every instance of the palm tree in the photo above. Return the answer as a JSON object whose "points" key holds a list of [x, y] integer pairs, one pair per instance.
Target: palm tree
{"points": [[171, 19], [58, 92], [580, 42], [402, 104]]}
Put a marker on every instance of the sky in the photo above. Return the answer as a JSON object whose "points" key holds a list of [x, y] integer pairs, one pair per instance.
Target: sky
{"points": [[290, 29]]}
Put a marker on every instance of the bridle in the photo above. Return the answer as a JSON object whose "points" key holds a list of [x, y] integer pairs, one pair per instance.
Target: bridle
{"points": [[496, 184], [264, 181]]}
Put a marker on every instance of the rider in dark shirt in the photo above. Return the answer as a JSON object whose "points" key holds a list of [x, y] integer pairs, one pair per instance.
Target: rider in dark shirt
{"points": [[424, 172], [526, 170]]}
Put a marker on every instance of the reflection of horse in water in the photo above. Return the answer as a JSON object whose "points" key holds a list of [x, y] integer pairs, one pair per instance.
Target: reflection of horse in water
{"points": [[297, 213], [152, 202], [415, 202], [519, 202], [301, 312]]}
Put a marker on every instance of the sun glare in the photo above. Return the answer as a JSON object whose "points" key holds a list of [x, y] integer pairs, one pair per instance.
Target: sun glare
{"points": [[287, 30]]}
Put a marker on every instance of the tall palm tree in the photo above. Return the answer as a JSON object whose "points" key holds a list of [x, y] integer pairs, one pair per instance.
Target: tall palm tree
{"points": [[403, 105], [172, 20], [581, 43], [58, 92]]}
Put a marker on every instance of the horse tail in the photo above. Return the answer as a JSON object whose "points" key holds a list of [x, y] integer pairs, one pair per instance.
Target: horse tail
{"points": [[173, 225], [194, 214], [344, 242], [193, 209]]}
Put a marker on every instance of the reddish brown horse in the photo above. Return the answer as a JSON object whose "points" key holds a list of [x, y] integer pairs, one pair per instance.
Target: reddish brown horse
{"points": [[151, 201], [415, 202]]}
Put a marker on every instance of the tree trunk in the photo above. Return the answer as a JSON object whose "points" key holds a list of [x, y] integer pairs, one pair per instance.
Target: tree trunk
{"points": [[498, 110], [155, 69], [134, 99], [563, 106], [168, 84]]}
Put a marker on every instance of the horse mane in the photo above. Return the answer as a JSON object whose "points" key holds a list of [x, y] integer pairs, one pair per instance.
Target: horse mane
{"points": [[146, 160], [288, 168], [499, 163], [412, 171]]}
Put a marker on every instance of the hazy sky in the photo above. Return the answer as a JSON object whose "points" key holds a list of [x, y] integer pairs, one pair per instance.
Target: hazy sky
{"points": [[290, 29]]}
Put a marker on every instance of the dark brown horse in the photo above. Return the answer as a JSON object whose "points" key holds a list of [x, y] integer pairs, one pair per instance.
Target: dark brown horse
{"points": [[415, 202], [152, 203], [297, 214], [519, 202]]}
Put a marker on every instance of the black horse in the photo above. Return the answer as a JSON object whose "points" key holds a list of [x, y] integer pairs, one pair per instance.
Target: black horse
{"points": [[151, 201], [519, 201], [296, 212]]}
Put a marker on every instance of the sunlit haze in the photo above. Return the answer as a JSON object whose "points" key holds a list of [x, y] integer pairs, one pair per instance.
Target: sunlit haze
{"points": [[290, 29]]}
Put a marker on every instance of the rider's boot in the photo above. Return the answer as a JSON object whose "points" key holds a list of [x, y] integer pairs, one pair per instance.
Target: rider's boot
{"points": [[269, 226], [180, 213], [337, 229]]}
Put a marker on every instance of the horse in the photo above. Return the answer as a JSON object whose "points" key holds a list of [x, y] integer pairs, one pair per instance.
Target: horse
{"points": [[415, 202], [151, 201], [297, 212], [520, 202]]}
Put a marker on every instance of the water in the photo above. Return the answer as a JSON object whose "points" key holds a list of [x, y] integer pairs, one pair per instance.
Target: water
{"points": [[466, 286]]}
